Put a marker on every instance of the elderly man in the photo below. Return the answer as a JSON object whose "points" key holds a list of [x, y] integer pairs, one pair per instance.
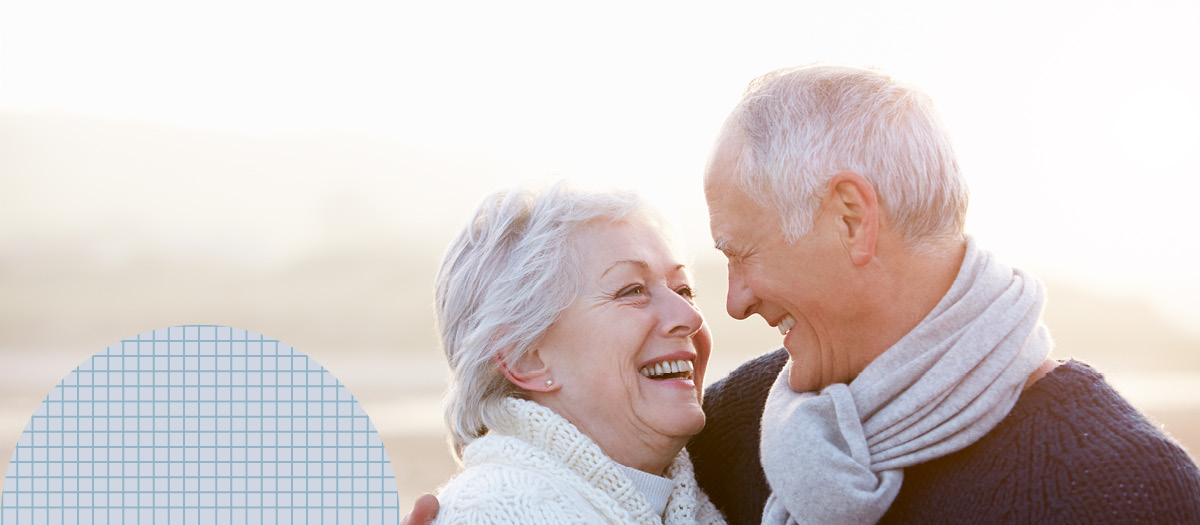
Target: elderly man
{"points": [[914, 384]]}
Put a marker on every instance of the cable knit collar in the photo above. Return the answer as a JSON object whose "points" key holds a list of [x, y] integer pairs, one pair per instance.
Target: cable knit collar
{"points": [[656, 489], [552, 435]]}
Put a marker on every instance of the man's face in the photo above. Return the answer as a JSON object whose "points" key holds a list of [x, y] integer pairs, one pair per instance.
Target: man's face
{"points": [[796, 287]]}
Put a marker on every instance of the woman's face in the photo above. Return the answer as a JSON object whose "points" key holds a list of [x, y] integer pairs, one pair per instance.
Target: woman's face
{"points": [[611, 352]]}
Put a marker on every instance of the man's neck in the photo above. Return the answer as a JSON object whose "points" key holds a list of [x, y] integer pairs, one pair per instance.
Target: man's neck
{"points": [[911, 284], [919, 282], [1047, 365]]}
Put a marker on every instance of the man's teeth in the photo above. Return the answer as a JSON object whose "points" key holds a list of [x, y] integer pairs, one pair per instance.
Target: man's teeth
{"points": [[680, 368], [786, 324]]}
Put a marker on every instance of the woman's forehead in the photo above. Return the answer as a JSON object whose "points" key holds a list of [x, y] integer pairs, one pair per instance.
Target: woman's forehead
{"points": [[634, 245]]}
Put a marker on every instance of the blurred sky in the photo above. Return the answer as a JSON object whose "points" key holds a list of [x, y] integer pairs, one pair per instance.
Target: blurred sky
{"points": [[1075, 121]]}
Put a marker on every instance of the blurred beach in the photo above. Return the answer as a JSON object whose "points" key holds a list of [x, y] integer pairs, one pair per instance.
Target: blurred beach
{"points": [[367, 319]]}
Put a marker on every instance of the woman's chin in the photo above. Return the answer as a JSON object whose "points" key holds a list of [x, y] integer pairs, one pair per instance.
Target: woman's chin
{"points": [[696, 425], [683, 422]]}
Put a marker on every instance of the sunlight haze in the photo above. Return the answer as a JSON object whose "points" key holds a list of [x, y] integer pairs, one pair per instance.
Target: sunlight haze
{"points": [[297, 168]]}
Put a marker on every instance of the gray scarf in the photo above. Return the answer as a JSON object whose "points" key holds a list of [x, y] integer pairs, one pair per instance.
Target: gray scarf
{"points": [[839, 456]]}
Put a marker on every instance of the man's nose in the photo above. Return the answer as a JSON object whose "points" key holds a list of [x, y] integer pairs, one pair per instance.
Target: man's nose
{"points": [[741, 300]]}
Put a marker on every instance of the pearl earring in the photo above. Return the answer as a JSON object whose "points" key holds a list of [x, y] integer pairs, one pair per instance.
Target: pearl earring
{"points": [[549, 383]]}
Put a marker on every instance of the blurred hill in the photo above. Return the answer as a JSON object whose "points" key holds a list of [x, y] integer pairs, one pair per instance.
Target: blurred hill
{"points": [[109, 228], [1116, 331]]}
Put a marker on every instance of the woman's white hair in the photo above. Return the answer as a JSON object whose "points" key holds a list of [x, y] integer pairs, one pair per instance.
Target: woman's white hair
{"points": [[800, 126], [503, 281]]}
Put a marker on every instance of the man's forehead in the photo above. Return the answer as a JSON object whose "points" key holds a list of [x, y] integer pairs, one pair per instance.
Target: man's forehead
{"points": [[725, 198], [720, 191], [720, 222], [723, 160]]}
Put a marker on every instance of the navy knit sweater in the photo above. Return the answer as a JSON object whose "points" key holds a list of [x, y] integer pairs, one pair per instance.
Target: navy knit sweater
{"points": [[1071, 451]]}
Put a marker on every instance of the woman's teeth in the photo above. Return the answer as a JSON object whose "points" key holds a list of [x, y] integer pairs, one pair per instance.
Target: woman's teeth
{"points": [[786, 324], [680, 368]]}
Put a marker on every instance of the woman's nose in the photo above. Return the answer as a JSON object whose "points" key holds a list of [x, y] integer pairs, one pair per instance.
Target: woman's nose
{"points": [[681, 317]]}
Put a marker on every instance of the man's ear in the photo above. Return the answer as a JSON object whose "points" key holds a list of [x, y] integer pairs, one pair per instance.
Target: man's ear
{"points": [[529, 372], [853, 199]]}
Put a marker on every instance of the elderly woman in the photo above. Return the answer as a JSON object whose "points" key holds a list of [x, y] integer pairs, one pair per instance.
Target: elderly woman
{"points": [[577, 358]]}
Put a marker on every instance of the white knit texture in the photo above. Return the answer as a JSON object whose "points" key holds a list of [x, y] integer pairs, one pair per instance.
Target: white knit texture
{"points": [[536, 467]]}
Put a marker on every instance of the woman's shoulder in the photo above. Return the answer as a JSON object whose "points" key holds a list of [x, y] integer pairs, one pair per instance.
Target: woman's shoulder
{"points": [[506, 480], [506, 493]]}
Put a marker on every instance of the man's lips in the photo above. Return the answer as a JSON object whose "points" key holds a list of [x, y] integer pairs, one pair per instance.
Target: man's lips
{"points": [[786, 324]]}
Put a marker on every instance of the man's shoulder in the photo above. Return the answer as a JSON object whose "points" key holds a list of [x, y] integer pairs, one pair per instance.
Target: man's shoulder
{"points": [[733, 406], [1100, 438], [1071, 447], [725, 453], [1076, 411], [751, 380]]}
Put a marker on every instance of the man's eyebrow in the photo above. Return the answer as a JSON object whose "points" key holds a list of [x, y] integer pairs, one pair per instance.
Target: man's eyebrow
{"points": [[721, 245], [640, 264]]}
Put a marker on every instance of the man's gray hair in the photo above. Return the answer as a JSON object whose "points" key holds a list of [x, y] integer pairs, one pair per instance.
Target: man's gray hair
{"points": [[504, 280], [800, 126]]}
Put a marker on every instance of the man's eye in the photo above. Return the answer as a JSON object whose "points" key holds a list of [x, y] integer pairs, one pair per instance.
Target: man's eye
{"points": [[631, 290]]}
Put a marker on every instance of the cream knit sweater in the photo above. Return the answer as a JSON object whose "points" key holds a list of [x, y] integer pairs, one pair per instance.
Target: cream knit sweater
{"points": [[536, 467]]}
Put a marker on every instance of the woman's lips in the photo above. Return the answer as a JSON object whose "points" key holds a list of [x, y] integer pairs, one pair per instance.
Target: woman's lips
{"points": [[669, 369]]}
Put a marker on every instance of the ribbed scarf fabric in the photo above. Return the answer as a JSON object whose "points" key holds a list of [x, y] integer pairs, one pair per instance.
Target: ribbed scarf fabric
{"points": [[839, 456]]}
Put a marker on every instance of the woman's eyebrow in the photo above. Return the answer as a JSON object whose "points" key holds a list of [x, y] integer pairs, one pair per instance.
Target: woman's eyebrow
{"points": [[640, 264]]}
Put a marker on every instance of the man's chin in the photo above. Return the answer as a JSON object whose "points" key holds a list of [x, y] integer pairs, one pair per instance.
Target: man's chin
{"points": [[804, 378], [805, 373]]}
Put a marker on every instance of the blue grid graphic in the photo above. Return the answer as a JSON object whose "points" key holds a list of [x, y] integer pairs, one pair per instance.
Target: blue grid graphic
{"points": [[199, 424]]}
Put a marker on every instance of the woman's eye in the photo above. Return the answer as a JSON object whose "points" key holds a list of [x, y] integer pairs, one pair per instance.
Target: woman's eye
{"points": [[631, 290], [686, 291]]}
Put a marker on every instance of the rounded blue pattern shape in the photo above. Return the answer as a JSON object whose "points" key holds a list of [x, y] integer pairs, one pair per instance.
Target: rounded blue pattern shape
{"points": [[199, 424]]}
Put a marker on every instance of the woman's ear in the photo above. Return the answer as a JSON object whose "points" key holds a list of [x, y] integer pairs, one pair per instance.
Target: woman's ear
{"points": [[529, 372]]}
